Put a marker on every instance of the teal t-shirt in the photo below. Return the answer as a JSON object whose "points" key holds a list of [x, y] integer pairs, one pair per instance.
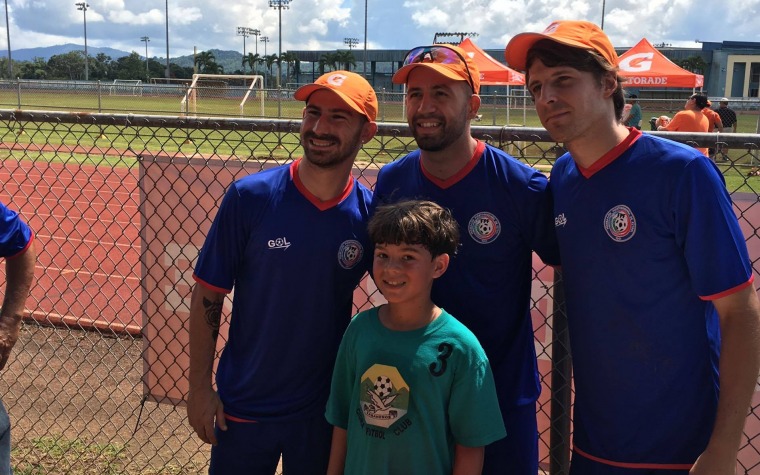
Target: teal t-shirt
{"points": [[407, 397]]}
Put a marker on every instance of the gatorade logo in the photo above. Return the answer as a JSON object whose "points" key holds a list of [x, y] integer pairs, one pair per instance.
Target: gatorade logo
{"points": [[336, 79], [637, 63]]}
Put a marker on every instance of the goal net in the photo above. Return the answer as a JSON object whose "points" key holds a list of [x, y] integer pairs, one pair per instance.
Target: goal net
{"points": [[213, 92], [125, 87]]}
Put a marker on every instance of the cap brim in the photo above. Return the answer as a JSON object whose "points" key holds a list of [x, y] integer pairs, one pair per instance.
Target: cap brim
{"points": [[402, 75], [516, 52], [304, 92]]}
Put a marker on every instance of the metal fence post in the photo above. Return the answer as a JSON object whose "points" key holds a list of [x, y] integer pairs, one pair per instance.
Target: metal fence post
{"points": [[559, 435], [100, 109], [495, 109], [18, 92]]}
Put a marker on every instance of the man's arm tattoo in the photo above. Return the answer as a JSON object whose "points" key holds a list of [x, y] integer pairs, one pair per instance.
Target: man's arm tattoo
{"points": [[213, 314]]}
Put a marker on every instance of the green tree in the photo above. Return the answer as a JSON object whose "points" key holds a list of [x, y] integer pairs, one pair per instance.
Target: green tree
{"points": [[66, 66], [346, 59], [328, 60], [130, 67], [34, 69], [291, 63], [252, 60], [206, 63], [270, 60], [101, 67], [694, 64]]}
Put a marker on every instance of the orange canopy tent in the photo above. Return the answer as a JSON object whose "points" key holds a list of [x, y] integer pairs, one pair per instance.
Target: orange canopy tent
{"points": [[644, 66], [492, 72]]}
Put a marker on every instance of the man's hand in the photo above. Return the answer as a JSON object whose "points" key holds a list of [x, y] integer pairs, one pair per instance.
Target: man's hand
{"points": [[203, 406], [10, 325]]}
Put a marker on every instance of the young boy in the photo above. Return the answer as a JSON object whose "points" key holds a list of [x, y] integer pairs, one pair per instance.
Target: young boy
{"points": [[412, 391]]}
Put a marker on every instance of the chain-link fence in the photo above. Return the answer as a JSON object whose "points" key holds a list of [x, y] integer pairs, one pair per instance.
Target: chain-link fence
{"points": [[121, 204], [230, 97]]}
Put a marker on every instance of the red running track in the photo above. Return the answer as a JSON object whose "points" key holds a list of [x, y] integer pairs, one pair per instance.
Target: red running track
{"points": [[87, 223]]}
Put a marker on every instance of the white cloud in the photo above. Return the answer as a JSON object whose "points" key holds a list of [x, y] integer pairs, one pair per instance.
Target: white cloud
{"points": [[392, 24]]}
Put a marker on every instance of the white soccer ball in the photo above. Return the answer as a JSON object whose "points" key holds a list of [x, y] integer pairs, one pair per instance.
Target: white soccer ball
{"points": [[383, 386]]}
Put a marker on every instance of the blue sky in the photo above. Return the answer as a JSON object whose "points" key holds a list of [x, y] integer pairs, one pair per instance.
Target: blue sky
{"points": [[324, 24]]}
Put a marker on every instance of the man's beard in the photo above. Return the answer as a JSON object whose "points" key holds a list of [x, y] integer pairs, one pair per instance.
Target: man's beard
{"points": [[449, 133], [342, 151]]}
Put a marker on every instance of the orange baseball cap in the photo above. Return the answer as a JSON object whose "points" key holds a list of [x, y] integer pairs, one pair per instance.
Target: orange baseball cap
{"points": [[447, 60], [577, 34], [353, 89]]}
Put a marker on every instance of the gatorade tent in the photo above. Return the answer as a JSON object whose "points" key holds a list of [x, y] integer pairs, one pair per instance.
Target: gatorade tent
{"points": [[492, 72], [644, 66]]}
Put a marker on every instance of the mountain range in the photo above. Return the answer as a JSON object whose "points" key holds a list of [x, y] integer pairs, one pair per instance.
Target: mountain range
{"points": [[229, 60]]}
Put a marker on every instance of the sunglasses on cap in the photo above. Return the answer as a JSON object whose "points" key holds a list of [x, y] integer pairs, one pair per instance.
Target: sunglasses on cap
{"points": [[438, 54]]}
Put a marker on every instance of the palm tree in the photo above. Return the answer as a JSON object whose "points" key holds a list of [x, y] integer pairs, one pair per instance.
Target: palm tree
{"points": [[252, 59], [291, 61], [270, 60], [345, 58], [205, 61], [328, 60]]}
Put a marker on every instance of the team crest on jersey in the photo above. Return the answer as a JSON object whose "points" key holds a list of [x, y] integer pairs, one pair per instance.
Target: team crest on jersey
{"points": [[620, 223], [384, 396], [350, 253], [484, 227]]}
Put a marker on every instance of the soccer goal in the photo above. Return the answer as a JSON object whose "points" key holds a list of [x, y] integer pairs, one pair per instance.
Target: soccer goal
{"points": [[125, 87], [207, 87]]}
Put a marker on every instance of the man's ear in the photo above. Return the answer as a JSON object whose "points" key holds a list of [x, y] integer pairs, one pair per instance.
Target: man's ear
{"points": [[609, 83], [473, 105], [368, 131]]}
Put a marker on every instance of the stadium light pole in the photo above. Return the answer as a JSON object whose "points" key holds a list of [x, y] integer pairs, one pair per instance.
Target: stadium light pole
{"points": [[364, 67], [245, 32], [279, 5], [256, 32], [168, 69], [146, 39], [602, 25], [83, 7], [8, 33], [350, 42], [265, 40]]}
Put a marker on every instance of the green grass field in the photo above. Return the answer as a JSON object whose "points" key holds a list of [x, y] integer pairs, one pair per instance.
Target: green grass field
{"points": [[120, 146]]}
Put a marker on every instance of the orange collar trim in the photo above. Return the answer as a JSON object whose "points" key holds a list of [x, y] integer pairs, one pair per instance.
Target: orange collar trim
{"points": [[613, 154], [456, 177], [321, 205]]}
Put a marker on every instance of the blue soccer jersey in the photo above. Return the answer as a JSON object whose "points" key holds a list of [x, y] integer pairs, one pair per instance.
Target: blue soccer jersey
{"points": [[504, 211], [294, 262], [648, 237], [15, 235]]}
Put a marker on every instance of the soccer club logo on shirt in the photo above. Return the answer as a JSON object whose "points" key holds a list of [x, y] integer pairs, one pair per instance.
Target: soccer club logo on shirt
{"points": [[350, 253], [484, 227], [620, 223], [383, 401]]}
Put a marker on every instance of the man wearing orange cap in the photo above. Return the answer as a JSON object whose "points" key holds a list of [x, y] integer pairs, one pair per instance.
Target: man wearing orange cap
{"points": [[293, 244], [663, 325], [504, 210]]}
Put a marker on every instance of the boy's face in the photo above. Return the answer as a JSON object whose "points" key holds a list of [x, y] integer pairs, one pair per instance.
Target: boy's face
{"points": [[570, 103], [405, 272]]}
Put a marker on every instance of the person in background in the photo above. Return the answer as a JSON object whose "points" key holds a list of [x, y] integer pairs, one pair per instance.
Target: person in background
{"points": [[412, 392], [504, 210], [715, 123], [730, 121], [293, 244], [664, 325], [17, 247], [691, 119], [634, 115]]}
